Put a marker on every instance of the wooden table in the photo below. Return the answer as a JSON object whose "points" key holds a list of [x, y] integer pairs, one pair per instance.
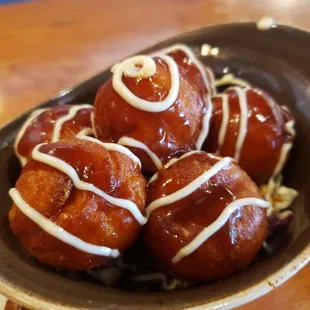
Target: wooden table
{"points": [[49, 45]]}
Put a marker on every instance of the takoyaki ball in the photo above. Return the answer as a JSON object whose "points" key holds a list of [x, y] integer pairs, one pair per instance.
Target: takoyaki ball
{"points": [[50, 125], [204, 194], [82, 213], [120, 115], [248, 125]]}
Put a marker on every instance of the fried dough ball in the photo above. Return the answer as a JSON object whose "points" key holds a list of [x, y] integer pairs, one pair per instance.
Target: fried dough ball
{"points": [[41, 127], [82, 213], [267, 136], [175, 225], [166, 133]]}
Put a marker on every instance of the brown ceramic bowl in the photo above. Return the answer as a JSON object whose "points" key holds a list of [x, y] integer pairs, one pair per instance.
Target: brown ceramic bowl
{"points": [[276, 60]]}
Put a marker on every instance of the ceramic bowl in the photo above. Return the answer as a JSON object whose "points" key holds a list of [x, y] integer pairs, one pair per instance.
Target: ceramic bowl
{"points": [[276, 60]]}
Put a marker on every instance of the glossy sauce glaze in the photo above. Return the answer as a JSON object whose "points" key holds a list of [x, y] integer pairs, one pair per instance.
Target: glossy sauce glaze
{"points": [[142, 112], [49, 125], [176, 222], [58, 232], [143, 67], [78, 203], [187, 190], [206, 72], [250, 126]]}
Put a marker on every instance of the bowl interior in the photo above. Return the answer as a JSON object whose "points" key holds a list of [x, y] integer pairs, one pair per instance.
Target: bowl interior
{"points": [[275, 60]]}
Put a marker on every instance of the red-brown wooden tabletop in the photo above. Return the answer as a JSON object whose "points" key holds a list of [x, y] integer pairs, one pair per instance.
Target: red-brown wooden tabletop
{"points": [[49, 45]]}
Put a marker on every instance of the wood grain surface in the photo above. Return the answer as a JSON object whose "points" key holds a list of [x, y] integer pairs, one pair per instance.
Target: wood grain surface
{"points": [[49, 45]]}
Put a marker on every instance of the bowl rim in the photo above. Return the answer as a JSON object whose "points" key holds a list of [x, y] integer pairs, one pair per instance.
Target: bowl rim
{"points": [[26, 299], [259, 289]]}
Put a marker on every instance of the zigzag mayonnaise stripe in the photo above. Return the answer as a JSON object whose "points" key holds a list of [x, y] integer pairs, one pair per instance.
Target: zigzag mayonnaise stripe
{"points": [[129, 67], [171, 162], [231, 79], [188, 189], [205, 123], [79, 184], [56, 130], [83, 135], [225, 121], [85, 132], [55, 230], [58, 232], [243, 120], [208, 81], [289, 128], [127, 141], [209, 231], [71, 114], [144, 66], [22, 131]]}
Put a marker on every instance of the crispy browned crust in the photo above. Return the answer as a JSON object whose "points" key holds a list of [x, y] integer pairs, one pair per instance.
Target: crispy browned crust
{"points": [[265, 135], [166, 133], [81, 213], [41, 129], [173, 226]]}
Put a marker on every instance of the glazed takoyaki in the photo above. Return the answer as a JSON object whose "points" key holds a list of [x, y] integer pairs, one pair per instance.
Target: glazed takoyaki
{"points": [[157, 105], [78, 203]]}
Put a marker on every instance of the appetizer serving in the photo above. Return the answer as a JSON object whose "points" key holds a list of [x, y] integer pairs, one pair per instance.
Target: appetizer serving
{"points": [[166, 183], [206, 217], [158, 106], [78, 202], [51, 125], [248, 125]]}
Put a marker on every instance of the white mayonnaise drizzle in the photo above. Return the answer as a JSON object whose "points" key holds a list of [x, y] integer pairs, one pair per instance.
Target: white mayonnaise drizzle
{"points": [[289, 127], [92, 120], [79, 184], [243, 123], [188, 189], [225, 121], [265, 23], [286, 147], [111, 147], [279, 196], [127, 141], [211, 77], [57, 231], [207, 232], [56, 130], [71, 114], [31, 118], [272, 104], [241, 93], [153, 178], [130, 68], [171, 162], [143, 66], [85, 132], [209, 83], [205, 123], [231, 79]]}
